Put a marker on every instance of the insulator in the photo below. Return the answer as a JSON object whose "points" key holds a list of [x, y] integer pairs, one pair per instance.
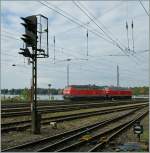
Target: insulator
{"points": [[54, 39], [87, 41], [126, 25], [132, 24]]}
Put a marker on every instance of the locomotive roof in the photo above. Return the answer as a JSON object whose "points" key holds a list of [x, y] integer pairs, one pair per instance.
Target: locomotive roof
{"points": [[88, 86], [118, 88], [97, 87]]}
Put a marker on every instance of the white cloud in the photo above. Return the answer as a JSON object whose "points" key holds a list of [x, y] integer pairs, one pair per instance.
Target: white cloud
{"points": [[100, 69]]}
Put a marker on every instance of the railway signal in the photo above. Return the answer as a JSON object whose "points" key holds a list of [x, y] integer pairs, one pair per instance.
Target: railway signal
{"points": [[26, 52], [30, 36], [36, 30]]}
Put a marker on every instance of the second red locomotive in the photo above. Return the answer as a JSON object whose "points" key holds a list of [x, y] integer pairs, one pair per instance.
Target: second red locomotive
{"points": [[73, 92]]}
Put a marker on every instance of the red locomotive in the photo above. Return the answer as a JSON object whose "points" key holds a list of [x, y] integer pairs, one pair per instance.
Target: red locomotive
{"points": [[73, 92]]}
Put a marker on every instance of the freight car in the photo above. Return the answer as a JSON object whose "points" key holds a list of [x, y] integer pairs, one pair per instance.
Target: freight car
{"points": [[80, 92]]}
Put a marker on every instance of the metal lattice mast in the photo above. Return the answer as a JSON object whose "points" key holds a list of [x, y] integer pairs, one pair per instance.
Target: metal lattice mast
{"points": [[33, 40]]}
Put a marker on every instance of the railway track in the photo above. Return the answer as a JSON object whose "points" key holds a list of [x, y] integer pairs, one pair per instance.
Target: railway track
{"points": [[115, 133], [72, 140], [51, 103], [62, 102], [12, 112], [41, 107], [22, 125], [96, 143]]}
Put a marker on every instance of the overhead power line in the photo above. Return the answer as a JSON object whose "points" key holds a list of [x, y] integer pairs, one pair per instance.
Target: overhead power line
{"points": [[68, 14], [144, 8], [92, 20], [59, 49], [73, 55], [74, 18], [46, 65], [11, 37], [114, 42], [125, 51], [9, 55], [19, 40], [143, 51], [93, 17], [73, 21], [88, 23]]}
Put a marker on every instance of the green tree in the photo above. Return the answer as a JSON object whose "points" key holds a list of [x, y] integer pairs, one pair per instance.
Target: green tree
{"points": [[25, 94]]}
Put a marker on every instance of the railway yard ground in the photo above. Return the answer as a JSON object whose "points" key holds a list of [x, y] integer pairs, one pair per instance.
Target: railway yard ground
{"points": [[79, 128], [75, 76]]}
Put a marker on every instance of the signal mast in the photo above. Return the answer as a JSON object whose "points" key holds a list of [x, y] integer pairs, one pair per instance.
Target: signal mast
{"points": [[36, 46]]}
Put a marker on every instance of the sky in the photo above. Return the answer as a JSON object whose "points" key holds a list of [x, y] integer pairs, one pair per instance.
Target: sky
{"points": [[106, 24]]}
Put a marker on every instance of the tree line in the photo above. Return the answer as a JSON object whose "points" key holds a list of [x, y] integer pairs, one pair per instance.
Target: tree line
{"points": [[40, 91], [140, 90], [43, 91]]}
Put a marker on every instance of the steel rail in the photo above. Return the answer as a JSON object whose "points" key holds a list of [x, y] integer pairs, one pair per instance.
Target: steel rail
{"points": [[56, 105], [14, 126], [51, 103], [115, 131], [59, 145], [64, 134], [69, 115], [56, 109], [6, 107]]}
